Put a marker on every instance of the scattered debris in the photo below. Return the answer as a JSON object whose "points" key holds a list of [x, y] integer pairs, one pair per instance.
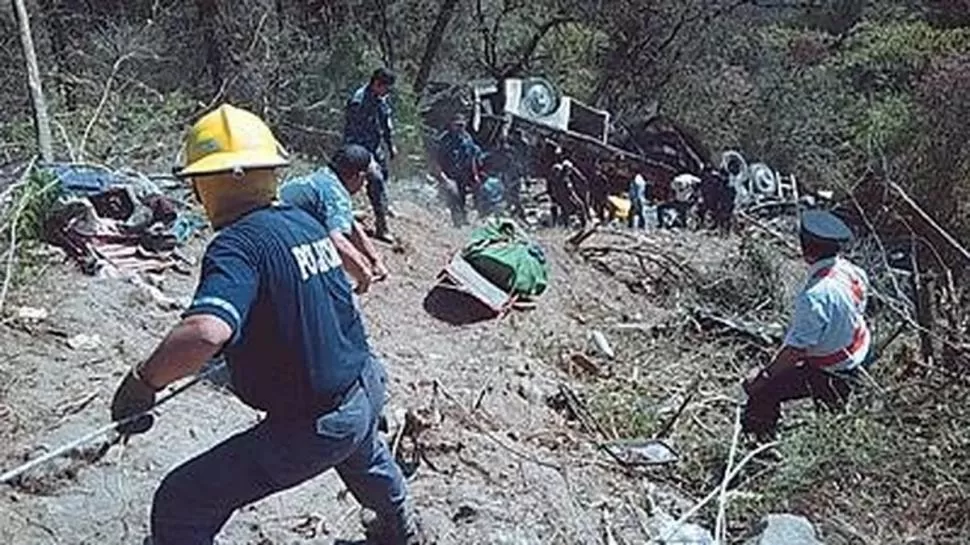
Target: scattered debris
{"points": [[121, 220], [599, 340], [571, 360], [311, 526]]}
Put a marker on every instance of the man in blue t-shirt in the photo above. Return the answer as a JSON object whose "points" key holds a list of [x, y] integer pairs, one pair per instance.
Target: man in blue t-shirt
{"points": [[325, 195], [456, 158], [369, 123], [275, 301]]}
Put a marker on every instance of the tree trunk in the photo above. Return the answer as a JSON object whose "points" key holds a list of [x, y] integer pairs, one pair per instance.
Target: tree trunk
{"points": [[41, 121], [208, 19], [435, 37], [53, 16]]}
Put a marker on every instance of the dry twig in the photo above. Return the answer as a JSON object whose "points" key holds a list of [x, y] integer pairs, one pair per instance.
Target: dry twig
{"points": [[720, 527], [470, 419]]}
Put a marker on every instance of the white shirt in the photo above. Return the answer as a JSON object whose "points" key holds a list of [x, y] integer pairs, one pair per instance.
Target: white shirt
{"points": [[829, 321], [638, 188], [683, 186]]}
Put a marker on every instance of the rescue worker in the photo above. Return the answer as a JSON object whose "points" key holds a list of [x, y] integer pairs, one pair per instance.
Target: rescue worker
{"points": [[369, 124], [457, 159], [326, 195], [674, 213], [827, 340], [274, 300], [565, 186], [717, 199], [638, 202], [516, 149]]}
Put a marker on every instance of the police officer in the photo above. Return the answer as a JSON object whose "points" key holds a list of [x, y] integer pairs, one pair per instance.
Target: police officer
{"points": [[828, 338], [325, 195], [273, 299], [457, 158], [369, 124]]}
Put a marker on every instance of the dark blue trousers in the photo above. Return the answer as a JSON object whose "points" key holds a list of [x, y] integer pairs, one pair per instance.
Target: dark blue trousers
{"points": [[197, 498], [377, 192]]}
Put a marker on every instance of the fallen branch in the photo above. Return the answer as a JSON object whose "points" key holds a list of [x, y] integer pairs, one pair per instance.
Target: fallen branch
{"points": [[669, 264], [760, 225], [104, 99], [713, 494], [720, 527], [929, 220], [755, 331], [580, 236]]}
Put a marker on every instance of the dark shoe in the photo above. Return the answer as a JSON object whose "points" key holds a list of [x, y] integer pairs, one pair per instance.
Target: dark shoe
{"points": [[378, 532], [384, 236]]}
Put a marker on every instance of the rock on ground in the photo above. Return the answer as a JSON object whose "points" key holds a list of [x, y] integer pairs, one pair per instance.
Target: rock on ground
{"points": [[785, 529]]}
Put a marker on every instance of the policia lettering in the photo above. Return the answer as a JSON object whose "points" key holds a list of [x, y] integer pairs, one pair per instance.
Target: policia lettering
{"points": [[316, 258]]}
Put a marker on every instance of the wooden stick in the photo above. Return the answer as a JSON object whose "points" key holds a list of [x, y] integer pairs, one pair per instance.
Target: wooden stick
{"points": [[103, 430], [104, 100], [669, 425], [720, 528]]}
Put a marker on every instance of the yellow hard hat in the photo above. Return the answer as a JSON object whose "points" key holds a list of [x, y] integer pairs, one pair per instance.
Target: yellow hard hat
{"points": [[230, 139]]}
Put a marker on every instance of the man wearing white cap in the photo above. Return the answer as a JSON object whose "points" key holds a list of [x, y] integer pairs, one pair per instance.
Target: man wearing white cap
{"points": [[828, 338]]}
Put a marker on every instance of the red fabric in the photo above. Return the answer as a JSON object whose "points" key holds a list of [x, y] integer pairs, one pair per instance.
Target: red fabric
{"points": [[859, 338]]}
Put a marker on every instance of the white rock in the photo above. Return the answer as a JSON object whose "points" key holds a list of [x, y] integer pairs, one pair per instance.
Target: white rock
{"points": [[785, 529], [31, 313], [84, 342], [602, 344]]}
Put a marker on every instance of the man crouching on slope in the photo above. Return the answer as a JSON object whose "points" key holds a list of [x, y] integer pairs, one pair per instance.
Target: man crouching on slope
{"points": [[828, 339], [325, 195], [273, 298]]}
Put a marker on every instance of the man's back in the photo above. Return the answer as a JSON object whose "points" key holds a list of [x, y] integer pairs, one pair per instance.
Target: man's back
{"points": [[829, 314], [456, 151], [299, 340], [323, 196]]}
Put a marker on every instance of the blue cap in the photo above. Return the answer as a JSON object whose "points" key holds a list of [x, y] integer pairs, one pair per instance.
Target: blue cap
{"points": [[825, 226]]}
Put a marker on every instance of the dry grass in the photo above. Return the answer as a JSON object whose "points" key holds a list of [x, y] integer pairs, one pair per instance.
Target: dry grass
{"points": [[892, 469]]}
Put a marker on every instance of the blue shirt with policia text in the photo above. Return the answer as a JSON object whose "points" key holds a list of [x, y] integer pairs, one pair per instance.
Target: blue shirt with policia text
{"points": [[298, 338]]}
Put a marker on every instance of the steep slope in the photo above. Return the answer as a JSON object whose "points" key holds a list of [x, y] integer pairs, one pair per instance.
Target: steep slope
{"points": [[498, 464]]}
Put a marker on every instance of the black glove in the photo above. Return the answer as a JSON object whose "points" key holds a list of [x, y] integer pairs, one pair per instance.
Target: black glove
{"points": [[132, 397]]}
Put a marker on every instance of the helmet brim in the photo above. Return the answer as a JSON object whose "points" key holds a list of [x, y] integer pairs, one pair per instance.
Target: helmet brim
{"points": [[229, 161]]}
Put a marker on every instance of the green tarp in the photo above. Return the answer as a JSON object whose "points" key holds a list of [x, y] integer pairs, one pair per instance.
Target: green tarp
{"points": [[502, 252]]}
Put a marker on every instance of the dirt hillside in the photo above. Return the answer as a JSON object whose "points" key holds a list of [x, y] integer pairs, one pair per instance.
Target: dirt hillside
{"points": [[499, 464]]}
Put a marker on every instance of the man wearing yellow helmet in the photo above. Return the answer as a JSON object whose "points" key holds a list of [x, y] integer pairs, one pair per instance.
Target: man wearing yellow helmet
{"points": [[272, 298]]}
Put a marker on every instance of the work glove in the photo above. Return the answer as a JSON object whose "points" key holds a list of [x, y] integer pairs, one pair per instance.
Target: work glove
{"points": [[133, 397]]}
